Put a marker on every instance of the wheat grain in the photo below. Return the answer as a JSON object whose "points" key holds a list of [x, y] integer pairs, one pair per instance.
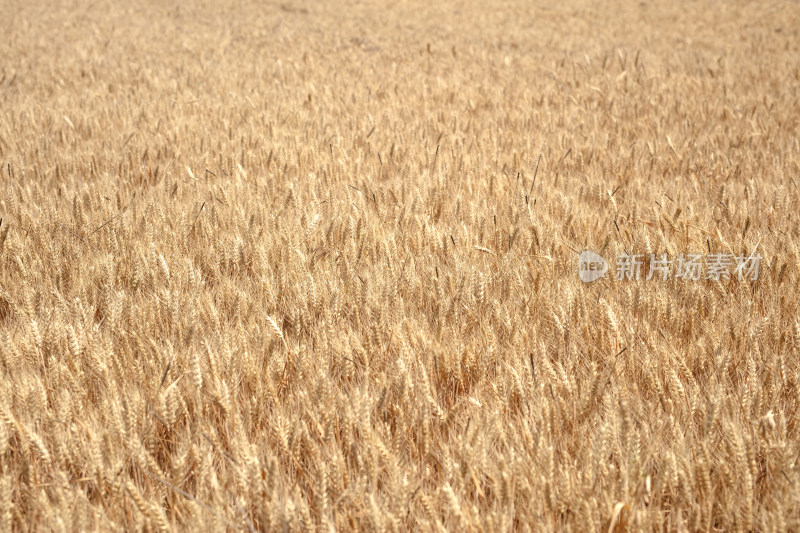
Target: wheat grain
{"points": [[355, 255]]}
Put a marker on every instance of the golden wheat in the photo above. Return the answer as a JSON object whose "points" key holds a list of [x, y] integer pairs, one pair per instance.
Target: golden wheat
{"points": [[302, 266]]}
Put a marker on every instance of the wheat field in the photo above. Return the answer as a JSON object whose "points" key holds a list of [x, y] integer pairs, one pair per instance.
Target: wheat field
{"points": [[313, 266]]}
